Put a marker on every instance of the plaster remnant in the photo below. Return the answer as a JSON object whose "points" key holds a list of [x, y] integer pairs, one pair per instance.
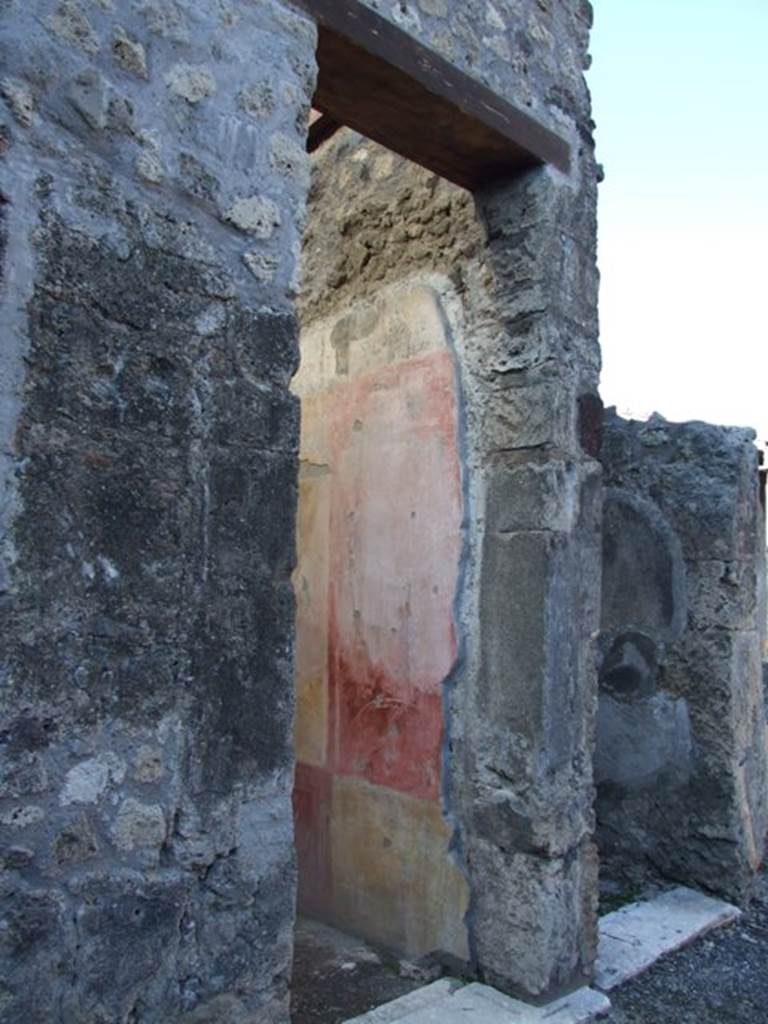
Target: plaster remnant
{"points": [[438, 8], [150, 168], [110, 570], [89, 95], [211, 319], [166, 18], [254, 215], [229, 15], [493, 18], [69, 22], [129, 53], [87, 781], [407, 18], [22, 816], [148, 766], [261, 265], [297, 274], [20, 100], [289, 158], [258, 99], [138, 825], [191, 82]]}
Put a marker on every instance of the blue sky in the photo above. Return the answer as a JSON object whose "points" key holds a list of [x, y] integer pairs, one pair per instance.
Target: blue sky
{"points": [[680, 96]]}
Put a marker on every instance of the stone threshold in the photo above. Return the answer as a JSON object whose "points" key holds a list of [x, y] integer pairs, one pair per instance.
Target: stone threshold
{"points": [[634, 937], [631, 939], [450, 1002]]}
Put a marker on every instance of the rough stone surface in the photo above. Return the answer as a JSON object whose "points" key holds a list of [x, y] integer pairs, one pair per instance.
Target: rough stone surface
{"points": [[149, 468], [255, 215], [681, 757], [149, 463], [129, 53]]}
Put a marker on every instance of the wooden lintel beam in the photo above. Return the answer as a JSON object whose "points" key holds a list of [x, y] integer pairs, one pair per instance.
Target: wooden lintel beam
{"points": [[378, 80], [320, 130]]}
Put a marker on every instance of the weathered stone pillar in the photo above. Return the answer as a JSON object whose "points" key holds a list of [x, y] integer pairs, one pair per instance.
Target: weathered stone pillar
{"points": [[152, 183], [527, 694]]}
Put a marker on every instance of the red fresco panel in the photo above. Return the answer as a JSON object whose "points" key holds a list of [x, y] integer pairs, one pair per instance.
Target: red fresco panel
{"points": [[312, 795], [395, 548]]}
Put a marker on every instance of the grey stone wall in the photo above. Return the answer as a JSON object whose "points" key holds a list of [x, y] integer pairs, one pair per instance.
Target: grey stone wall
{"points": [[153, 180], [681, 756], [521, 699]]}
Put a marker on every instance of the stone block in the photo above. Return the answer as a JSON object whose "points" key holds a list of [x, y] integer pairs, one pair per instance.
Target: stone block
{"points": [[397, 1009], [538, 917], [481, 1004], [540, 415], [634, 937], [534, 496]]}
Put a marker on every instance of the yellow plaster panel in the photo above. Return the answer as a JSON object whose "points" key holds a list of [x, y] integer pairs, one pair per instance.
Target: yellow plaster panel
{"points": [[394, 881]]}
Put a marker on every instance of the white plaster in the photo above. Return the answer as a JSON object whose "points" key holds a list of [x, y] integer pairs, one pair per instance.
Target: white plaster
{"points": [[255, 215], [480, 1004], [634, 937], [191, 82], [211, 319], [110, 570], [87, 781], [493, 18], [22, 816]]}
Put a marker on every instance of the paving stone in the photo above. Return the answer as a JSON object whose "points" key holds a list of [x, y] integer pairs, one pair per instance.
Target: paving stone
{"points": [[634, 937], [408, 1004], [480, 1004]]}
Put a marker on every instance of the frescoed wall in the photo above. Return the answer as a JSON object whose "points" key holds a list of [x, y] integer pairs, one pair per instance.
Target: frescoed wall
{"points": [[379, 548]]}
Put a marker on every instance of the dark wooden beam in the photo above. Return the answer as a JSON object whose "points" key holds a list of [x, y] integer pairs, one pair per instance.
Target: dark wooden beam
{"points": [[321, 129], [377, 79]]}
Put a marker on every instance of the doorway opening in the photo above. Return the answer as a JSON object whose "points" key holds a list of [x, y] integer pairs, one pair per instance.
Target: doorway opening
{"points": [[379, 546], [394, 246]]}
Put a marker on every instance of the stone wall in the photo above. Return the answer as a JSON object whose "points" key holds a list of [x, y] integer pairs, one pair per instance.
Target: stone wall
{"points": [[681, 755], [153, 179], [531, 52], [153, 183]]}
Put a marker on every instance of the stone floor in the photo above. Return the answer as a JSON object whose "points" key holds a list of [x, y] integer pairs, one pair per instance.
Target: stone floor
{"points": [[337, 977], [721, 978]]}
